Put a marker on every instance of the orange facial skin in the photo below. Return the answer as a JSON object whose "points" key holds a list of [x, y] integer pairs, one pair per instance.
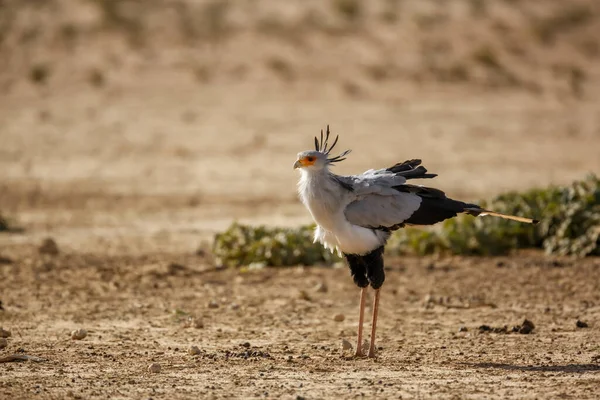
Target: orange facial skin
{"points": [[305, 162]]}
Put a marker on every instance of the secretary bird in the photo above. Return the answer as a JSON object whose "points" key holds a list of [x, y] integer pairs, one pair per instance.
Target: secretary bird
{"points": [[356, 214]]}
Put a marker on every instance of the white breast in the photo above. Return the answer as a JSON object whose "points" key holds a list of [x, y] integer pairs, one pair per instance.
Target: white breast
{"points": [[350, 239], [326, 203]]}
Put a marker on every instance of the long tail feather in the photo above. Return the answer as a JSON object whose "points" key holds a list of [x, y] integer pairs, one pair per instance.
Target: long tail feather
{"points": [[482, 212]]}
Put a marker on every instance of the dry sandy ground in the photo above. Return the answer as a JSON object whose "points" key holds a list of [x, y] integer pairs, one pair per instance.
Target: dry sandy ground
{"points": [[154, 156], [131, 155], [271, 334]]}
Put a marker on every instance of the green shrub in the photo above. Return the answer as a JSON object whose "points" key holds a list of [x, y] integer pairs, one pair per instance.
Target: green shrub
{"points": [[9, 225], [242, 245], [574, 228], [569, 225]]}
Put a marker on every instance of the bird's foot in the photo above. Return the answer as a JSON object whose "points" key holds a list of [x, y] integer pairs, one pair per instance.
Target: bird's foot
{"points": [[372, 353]]}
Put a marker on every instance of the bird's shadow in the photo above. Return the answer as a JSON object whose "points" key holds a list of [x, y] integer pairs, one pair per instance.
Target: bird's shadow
{"points": [[572, 368]]}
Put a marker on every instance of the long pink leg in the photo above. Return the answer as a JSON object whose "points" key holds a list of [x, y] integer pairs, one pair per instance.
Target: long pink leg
{"points": [[361, 317], [374, 326]]}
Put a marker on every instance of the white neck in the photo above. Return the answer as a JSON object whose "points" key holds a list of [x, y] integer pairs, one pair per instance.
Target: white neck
{"points": [[321, 195]]}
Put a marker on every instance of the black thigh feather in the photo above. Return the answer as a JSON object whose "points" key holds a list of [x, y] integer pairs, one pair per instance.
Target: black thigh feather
{"points": [[367, 269]]}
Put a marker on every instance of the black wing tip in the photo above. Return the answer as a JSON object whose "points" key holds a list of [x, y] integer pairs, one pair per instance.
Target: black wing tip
{"points": [[535, 221], [405, 165]]}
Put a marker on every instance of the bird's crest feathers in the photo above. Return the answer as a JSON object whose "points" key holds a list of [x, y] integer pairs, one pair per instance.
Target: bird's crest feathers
{"points": [[321, 146]]}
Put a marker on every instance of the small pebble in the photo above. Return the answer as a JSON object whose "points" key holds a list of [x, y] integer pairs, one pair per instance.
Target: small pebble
{"points": [[193, 322], [3, 343], [463, 329], [321, 287], [339, 317], [581, 324], [304, 296], [78, 334], [4, 333], [154, 368], [213, 304], [194, 350], [526, 327], [346, 345], [234, 306]]}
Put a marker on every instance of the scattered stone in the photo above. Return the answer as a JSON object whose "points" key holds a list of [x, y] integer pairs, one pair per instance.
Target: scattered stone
{"points": [[213, 304], [194, 350], [78, 334], [246, 345], [154, 368], [463, 329], [3, 343], [49, 247], [498, 329], [526, 327], [581, 324], [234, 306], [197, 323], [304, 296], [346, 345], [321, 287], [4, 333], [247, 354], [339, 317], [193, 322]]}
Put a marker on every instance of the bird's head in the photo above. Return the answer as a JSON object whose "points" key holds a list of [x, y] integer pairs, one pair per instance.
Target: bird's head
{"points": [[318, 158]]}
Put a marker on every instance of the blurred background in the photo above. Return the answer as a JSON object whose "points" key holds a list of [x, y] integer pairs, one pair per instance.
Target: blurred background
{"points": [[162, 121]]}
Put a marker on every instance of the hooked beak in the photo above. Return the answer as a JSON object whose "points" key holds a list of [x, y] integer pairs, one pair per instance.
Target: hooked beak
{"points": [[297, 164]]}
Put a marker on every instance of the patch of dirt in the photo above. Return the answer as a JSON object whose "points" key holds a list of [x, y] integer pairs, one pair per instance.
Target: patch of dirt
{"points": [[266, 340]]}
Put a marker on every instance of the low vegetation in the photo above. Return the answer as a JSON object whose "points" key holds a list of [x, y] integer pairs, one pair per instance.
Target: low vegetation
{"points": [[9, 225], [570, 225]]}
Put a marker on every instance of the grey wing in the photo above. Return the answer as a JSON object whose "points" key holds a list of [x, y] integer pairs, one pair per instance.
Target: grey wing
{"points": [[382, 181], [372, 182], [377, 210], [377, 201]]}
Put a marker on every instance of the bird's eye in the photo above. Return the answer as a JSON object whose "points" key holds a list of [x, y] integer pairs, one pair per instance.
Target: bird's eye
{"points": [[310, 159]]}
